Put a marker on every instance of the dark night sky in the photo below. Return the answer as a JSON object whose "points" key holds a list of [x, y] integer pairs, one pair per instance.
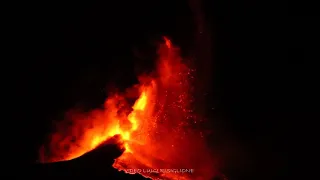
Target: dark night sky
{"points": [[68, 53]]}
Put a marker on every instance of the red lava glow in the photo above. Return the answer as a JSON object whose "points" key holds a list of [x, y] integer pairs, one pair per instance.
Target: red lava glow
{"points": [[157, 132]]}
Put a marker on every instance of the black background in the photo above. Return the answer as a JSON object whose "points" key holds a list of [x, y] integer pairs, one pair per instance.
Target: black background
{"points": [[65, 54]]}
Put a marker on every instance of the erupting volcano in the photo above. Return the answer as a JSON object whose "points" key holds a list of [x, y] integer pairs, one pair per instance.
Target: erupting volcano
{"points": [[158, 133]]}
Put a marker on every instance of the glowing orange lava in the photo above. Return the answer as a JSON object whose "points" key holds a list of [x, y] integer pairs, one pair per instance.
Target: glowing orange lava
{"points": [[157, 134]]}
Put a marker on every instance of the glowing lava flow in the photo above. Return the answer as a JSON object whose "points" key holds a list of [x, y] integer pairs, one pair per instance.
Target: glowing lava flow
{"points": [[157, 134]]}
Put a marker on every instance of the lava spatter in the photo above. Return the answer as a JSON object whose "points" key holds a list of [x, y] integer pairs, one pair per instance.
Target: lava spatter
{"points": [[157, 134]]}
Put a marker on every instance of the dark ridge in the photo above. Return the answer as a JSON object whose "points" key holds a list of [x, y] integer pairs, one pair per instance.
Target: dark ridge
{"points": [[96, 163]]}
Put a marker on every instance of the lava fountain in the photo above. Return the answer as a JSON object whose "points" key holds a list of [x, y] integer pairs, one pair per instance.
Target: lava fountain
{"points": [[158, 133]]}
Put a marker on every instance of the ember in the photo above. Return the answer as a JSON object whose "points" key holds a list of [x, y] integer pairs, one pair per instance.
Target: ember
{"points": [[158, 134]]}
